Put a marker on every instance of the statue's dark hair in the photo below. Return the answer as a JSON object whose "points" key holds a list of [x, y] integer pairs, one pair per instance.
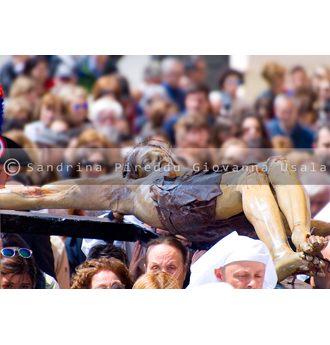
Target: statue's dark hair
{"points": [[130, 164]]}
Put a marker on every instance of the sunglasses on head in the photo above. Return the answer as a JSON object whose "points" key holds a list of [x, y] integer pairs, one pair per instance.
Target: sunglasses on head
{"points": [[82, 106], [10, 252]]}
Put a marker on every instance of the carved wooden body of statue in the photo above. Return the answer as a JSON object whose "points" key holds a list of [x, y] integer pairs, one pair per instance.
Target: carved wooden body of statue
{"points": [[196, 206]]}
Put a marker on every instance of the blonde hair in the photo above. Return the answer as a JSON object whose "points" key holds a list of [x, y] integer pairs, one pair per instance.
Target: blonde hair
{"points": [[271, 70], [156, 280], [106, 83], [21, 86], [31, 149], [68, 92], [16, 105], [52, 101], [90, 135]]}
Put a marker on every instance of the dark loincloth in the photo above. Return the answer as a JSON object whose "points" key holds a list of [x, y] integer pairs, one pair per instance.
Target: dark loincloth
{"points": [[186, 206]]}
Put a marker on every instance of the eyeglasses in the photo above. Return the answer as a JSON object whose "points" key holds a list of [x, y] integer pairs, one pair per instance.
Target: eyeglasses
{"points": [[82, 106], [23, 252]]}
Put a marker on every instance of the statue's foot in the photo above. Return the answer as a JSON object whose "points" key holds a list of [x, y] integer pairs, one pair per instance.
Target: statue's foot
{"points": [[312, 244], [298, 263]]}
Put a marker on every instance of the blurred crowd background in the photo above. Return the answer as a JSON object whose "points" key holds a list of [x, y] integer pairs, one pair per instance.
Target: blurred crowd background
{"points": [[220, 109], [91, 110]]}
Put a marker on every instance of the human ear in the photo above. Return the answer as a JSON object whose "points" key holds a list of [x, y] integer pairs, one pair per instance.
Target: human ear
{"points": [[219, 274]]}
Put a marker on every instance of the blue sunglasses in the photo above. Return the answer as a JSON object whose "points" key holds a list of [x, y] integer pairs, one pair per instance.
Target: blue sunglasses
{"points": [[23, 252]]}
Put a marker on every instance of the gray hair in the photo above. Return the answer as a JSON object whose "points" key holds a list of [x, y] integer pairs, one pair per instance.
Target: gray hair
{"points": [[105, 104], [284, 98], [168, 63]]}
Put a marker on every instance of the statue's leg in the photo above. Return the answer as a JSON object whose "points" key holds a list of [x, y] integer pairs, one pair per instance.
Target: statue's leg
{"points": [[294, 203], [256, 199]]}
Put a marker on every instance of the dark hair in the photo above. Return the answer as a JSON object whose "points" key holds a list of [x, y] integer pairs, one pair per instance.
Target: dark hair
{"points": [[267, 104], [226, 71], [222, 124], [297, 68], [198, 87], [108, 251], [264, 135], [170, 241], [17, 265], [190, 62], [129, 169], [33, 62]]}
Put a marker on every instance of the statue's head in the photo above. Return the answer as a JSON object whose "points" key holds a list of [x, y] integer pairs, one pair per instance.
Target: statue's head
{"points": [[146, 158]]}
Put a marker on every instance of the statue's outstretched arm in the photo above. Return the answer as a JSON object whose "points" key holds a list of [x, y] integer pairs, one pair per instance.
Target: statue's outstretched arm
{"points": [[89, 194]]}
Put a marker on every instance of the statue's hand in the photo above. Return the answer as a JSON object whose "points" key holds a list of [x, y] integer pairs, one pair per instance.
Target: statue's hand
{"points": [[312, 265], [313, 244]]}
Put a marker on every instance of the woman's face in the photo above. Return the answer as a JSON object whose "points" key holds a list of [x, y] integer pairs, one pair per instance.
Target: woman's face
{"points": [[48, 113], [150, 159], [251, 129], [231, 84], [277, 84], [22, 116], [164, 257], [40, 73], [17, 281], [79, 108], [106, 280]]}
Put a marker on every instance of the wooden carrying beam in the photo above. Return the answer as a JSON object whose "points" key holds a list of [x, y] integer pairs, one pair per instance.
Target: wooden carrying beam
{"points": [[72, 226]]}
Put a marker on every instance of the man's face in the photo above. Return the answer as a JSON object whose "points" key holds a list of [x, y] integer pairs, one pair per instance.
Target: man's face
{"points": [[4, 178], [173, 76], [242, 274], [322, 146], [151, 159], [287, 113], [197, 103], [164, 257], [299, 79], [319, 200]]}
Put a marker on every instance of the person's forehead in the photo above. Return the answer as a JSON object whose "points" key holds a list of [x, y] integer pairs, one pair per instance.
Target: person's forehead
{"points": [[163, 251], [324, 134], [150, 150], [255, 265], [104, 275], [16, 278]]}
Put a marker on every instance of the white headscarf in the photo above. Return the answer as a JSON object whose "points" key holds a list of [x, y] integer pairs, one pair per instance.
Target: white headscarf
{"points": [[230, 249]]}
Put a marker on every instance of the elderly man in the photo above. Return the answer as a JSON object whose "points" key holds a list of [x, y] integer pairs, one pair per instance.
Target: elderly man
{"points": [[237, 260], [321, 144], [286, 123], [172, 71]]}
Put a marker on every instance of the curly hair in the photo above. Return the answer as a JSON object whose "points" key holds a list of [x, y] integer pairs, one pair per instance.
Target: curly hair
{"points": [[156, 280], [82, 279]]}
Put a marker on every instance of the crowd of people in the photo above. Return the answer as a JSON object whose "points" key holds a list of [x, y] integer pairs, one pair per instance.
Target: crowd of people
{"points": [[82, 113]]}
